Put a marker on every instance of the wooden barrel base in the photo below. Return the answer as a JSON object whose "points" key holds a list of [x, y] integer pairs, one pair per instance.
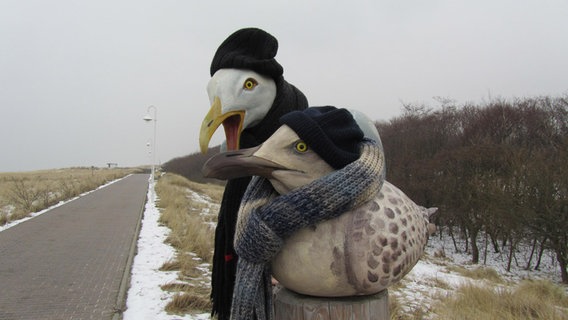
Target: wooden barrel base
{"points": [[289, 305]]}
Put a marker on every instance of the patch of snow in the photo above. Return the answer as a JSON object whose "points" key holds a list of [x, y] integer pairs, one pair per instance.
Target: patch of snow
{"points": [[145, 298], [197, 197], [549, 267], [7, 210], [430, 280], [211, 208]]}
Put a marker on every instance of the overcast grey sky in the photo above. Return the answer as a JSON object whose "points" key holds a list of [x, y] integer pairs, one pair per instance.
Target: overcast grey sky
{"points": [[76, 77]]}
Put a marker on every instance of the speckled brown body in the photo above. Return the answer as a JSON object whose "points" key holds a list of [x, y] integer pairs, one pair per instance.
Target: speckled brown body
{"points": [[361, 252]]}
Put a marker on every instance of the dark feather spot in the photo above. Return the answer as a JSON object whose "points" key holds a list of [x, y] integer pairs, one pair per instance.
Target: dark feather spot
{"points": [[371, 262], [386, 257], [372, 277], [393, 227], [397, 270], [394, 244], [395, 255], [393, 200], [377, 250], [336, 264], [374, 206]]}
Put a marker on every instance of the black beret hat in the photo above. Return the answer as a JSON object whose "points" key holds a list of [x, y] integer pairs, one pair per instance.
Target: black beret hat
{"points": [[331, 132], [249, 48]]}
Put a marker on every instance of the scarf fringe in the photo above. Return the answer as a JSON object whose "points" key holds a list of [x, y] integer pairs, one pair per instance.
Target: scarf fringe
{"points": [[252, 299]]}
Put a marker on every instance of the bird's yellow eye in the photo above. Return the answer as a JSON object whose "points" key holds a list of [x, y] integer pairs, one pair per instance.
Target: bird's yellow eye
{"points": [[249, 84], [301, 146]]}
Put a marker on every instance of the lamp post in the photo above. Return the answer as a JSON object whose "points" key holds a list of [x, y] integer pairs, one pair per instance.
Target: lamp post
{"points": [[149, 118]]}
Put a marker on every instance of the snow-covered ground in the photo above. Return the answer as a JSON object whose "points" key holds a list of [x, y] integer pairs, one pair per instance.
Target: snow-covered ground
{"points": [[145, 298], [429, 280], [432, 277]]}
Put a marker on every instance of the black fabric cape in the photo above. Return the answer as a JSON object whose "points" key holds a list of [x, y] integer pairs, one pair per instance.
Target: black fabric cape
{"points": [[288, 98]]}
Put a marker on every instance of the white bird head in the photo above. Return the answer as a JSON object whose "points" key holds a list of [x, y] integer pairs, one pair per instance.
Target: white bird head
{"points": [[239, 99], [284, 159]]}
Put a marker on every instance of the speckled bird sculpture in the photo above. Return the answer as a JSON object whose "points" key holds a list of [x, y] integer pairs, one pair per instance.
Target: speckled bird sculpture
{"points": [[362, 251]]}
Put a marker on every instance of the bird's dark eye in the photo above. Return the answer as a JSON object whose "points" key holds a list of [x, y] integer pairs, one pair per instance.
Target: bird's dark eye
{"points": [[249, 84], [301, 146]]}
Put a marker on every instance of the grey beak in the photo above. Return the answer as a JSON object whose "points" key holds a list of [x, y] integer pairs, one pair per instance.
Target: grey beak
{"points": [[238, 164]]}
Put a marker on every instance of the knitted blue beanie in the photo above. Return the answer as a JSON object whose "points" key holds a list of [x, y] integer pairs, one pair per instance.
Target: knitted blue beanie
{"points": [[249, 48], [331, 132]]}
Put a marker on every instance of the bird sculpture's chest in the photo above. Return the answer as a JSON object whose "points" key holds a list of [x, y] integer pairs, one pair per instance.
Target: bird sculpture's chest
{"points": [[363, 251]]}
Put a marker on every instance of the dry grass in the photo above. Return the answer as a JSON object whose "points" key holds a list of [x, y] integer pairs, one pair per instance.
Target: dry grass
{"points": [[528, 300], [22, 193], [397, 312], [191, 231], [545, 290], [481, 273], [177, 287], [439, 283], [192, 234], [183, 303], [413, 310]]}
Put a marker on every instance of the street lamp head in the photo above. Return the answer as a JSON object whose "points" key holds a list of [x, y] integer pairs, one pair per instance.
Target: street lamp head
{"points": [[147, 118]]}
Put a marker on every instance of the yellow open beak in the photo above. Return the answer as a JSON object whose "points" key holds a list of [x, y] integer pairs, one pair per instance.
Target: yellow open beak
{"points": [[232, 123]]}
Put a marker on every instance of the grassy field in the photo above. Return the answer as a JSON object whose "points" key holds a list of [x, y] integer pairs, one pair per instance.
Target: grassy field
{"points": [[23, 193], [530, 299], [190, 209]]}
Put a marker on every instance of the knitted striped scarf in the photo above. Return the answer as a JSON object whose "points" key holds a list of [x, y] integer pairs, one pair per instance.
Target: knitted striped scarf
{"points": [[266, 219]]}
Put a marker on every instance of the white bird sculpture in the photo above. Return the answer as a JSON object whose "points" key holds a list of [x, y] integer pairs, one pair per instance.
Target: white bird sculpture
{"points": [[361, 252], [239, 99], [248, 94]]}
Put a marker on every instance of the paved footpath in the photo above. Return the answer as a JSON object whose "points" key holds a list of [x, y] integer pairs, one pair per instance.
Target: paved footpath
{"points": [[73, 262]]}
